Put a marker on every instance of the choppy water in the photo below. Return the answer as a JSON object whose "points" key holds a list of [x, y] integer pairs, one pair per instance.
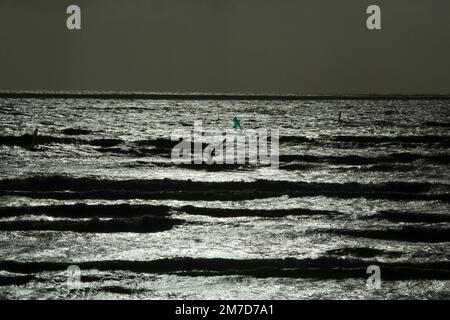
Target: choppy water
{"points": [[100, 192]]}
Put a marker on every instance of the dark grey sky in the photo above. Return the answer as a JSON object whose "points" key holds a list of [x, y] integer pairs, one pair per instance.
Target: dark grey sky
{"points": [[271, 46]]}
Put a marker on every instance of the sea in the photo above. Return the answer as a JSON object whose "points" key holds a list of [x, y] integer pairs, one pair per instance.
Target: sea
{"points": [[92, 206]]}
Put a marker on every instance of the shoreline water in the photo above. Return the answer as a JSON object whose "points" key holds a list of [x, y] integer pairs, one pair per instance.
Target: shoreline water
{"points": [[100, 192]]}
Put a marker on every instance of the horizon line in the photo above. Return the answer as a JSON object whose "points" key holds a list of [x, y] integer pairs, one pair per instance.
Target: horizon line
{"points": [[86, 94]]}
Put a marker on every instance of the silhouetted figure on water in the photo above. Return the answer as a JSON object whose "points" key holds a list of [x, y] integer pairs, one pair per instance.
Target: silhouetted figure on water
{"points": [[34, 138]]}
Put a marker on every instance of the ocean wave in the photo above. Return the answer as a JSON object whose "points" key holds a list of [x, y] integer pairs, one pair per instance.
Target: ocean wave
{"points": [[361, 252], [215, 167], [141, 225], [425, 139], [152, 146], [15, 280], [297, 166], [79, 184], [82, 210], [322, 267], [437, 124], [161, 143], [296, 140], [121, 289], [135, 152], [155, 195], [26, 140], [61, 187], [218, 212], [385, 167], [363, 160], [405, 233], [399, 216], [231, 195], [164, 145], [360, 141], [75, 131]]}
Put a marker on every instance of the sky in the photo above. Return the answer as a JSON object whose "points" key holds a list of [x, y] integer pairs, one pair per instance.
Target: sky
{"points": [[227, 46]]}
